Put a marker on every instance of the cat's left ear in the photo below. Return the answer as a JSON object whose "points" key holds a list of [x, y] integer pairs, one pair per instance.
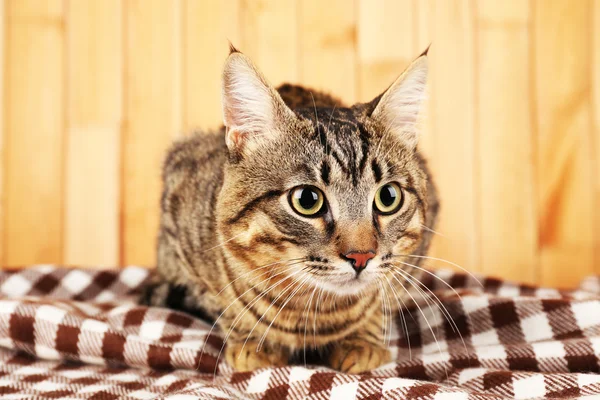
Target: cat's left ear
{"points": [[397, 109], [253, 110]]}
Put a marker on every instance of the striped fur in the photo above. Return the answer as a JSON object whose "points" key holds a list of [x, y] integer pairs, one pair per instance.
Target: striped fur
{"points": [[272, 280]]}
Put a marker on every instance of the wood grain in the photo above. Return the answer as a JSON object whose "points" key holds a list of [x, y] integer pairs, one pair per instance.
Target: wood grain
{"points": [[34, 104], [511, 128], [328, 47], [452, 147], [94, 49], [379, 63], [2, 124], [153, 118], [505, 14], [206, 34], [506, 158], [595, 78], [564, 141], [269, 31], [422, 38]]}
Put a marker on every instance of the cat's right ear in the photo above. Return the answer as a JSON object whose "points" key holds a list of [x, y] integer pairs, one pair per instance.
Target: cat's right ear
{"points": [[397, 109], [252, 108]]}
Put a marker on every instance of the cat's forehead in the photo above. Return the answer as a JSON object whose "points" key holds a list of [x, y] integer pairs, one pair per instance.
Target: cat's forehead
{"points": [[341, 147], [335, 119]]}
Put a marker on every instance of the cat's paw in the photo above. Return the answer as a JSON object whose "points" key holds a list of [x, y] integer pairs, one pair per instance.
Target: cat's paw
{"points": [[356, 356], [246, 358]]}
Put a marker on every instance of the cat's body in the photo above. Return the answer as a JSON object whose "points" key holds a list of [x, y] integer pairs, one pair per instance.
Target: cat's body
{"points": [[228, 238]]}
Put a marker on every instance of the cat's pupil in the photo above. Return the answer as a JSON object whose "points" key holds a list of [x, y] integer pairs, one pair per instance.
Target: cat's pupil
{"points": [[388, 195], [308, 198]]}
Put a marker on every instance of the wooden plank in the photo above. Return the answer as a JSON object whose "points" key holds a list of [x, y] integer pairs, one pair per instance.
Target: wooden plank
{"points": [[595, 73], [422, 36], [423, 30], [503, 13], [94, 49], [208, 27], [564, 162], [152, 120], [33, 10], [452, 116], [269, 31], [422, 39], [328, 41], [380, 62], [505, 155], [2, 125], [33, 229]]}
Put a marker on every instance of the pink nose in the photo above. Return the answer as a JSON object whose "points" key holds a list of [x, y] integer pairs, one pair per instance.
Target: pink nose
{"points": [[359, 260]]}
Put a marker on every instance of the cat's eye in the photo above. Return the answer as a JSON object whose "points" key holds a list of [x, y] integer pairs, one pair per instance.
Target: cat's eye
{"points": [[307, 201], [388, 199]]}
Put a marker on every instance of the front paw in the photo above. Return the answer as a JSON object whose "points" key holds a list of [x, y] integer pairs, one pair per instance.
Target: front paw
{"points": [[245, 357], [355, 356]]}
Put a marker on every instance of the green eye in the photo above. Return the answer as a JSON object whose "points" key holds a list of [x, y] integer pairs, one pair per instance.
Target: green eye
{"points": [[388, 199], [307, 200]]}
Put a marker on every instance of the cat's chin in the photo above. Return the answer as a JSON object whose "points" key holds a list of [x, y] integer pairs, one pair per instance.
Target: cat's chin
{"points": [[350, 286]]}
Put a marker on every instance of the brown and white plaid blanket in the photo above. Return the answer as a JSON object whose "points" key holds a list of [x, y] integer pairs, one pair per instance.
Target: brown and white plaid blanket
{"points": [[80, 334]]}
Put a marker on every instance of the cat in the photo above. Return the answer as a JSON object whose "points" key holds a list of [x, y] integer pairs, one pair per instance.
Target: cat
{"points": [[298, 223]]}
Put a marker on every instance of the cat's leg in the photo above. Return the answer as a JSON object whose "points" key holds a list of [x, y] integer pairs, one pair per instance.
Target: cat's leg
{"points": [[363, 350], [155, 292], [160, 293], [245, 356]]}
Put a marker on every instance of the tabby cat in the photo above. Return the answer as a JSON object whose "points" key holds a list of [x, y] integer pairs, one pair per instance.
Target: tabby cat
{"points": [[298, 224]]}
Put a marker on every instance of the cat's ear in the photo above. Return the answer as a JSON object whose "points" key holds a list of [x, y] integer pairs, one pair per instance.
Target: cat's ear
{"points": [[397, 109], [252, 109]]}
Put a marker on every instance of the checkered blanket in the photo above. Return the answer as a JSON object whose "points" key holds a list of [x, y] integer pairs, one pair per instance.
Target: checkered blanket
{"points": [[80, 334]]}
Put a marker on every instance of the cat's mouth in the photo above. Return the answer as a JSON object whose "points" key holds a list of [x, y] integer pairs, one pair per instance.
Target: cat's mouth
{"points": [[342, 277], [351, 284], [354, 285]]}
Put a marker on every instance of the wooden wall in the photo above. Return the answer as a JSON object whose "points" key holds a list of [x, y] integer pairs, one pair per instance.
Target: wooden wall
{"points": [[93, 91]]}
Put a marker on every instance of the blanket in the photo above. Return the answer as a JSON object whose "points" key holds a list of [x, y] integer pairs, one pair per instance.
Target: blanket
{"points": [[81, 334]]}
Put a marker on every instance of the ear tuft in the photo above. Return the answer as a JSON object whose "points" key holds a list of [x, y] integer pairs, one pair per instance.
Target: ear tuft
{"points": [[399, 106], [232, 49], [252, 108]]}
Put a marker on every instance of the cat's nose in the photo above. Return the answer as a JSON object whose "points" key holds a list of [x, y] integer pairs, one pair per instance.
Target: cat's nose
{"points": [[358, 259]]}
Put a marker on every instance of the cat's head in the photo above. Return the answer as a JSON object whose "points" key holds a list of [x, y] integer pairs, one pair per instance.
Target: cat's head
{"points": [[323, 196]]}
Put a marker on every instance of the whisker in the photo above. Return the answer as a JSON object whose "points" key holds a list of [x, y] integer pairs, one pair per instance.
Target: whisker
{"points": [[230, 330], [424, 317], [424, 295], [431, 294], [257, 269], [387, 131], [432, 230], [291, 296], [315, 106], [268, 308], [288, 286], [382, 295], [385, 323], [328, 124], [306, 314], [245, 310], [317, 306], [442, 307], [287, 268], [442, 260], [223, 243], [398, 297], [433, 275], [388, 317]]}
